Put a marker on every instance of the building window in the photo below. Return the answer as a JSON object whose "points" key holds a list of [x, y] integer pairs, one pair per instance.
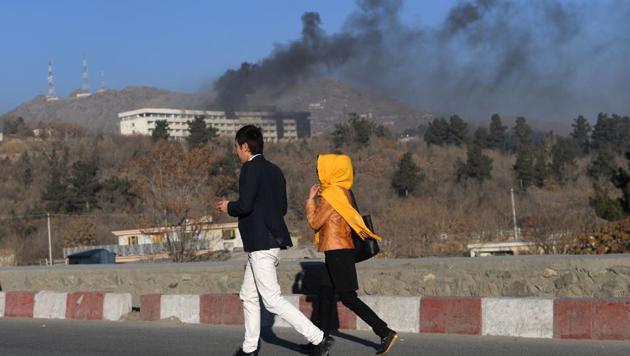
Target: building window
{"points": [[133, 240], [228, 234], [157, 239]]}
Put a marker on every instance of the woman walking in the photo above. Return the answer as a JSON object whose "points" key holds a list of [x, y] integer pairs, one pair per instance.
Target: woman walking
{"points": [[333, 217]]}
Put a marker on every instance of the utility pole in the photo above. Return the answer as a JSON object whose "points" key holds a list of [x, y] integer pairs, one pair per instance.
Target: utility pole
{"points": [[514, 215], [50, 260]]}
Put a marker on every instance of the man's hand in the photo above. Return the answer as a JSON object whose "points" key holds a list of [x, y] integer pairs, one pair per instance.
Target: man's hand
{"points": [[222, 205], [314, 191]]}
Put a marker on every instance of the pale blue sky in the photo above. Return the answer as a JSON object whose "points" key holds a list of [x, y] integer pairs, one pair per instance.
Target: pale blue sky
{"points": [[177, 45]]}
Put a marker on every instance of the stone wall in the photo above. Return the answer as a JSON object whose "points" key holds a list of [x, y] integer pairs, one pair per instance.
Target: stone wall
{"points": [[511, 276]]}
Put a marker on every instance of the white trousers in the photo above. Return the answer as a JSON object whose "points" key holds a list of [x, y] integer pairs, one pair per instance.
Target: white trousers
{"points": [[261, 278]]}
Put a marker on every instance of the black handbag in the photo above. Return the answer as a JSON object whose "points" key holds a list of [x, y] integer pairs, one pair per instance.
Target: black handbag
{"points": [[364, 248]]}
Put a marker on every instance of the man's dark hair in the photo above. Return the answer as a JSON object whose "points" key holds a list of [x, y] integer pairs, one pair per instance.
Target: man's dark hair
{"points": [[251, 135]]}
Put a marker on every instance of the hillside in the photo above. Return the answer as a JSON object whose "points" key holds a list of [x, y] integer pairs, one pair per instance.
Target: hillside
{"points": [[327, 100], [99, 111]]}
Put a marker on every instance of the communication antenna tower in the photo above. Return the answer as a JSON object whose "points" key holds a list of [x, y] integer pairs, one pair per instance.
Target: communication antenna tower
{"points": [[51, 84]]}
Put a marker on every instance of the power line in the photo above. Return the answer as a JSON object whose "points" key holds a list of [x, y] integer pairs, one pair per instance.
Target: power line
{"points": [[44, 215]]}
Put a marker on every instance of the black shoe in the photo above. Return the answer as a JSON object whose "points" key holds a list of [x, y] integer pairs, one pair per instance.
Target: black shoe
{"points": [[387, 342], [323, 348], [240, 352]]}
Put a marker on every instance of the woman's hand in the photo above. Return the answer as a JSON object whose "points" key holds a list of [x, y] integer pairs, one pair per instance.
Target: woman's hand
{"points": [[314, 191]]}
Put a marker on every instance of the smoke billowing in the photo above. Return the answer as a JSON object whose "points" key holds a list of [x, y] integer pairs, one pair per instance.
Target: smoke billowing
{"points": [[546, 59]]}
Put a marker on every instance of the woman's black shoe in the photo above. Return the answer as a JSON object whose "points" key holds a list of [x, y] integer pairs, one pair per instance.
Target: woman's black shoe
{"points": [[387, 342]]}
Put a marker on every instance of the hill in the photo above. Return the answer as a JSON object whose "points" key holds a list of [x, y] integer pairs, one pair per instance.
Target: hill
{"points": [[329, 101], [99, 111]]}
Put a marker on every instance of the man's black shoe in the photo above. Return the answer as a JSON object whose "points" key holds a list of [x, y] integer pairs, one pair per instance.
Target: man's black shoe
{"points": [[387, 342], [240, 352], [307, 347], [323, 348]]}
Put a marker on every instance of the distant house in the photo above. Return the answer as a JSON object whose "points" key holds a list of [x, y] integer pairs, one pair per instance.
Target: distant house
{"points": [[7, 256], [222, 236], [43, 132], [149, 243], [1, 136]]}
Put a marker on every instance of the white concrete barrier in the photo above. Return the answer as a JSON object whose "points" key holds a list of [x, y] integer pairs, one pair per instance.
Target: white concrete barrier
{"points": [[524, 317], [2, 299], [50, 305], [116, 305], [184, 307], [400, 313]]}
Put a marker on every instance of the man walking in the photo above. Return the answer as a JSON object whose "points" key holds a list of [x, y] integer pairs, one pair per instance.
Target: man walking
{"points": [[260, 209]]}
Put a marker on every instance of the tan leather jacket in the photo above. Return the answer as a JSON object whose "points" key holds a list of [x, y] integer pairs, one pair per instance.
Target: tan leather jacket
{"points": [[334, 231]]}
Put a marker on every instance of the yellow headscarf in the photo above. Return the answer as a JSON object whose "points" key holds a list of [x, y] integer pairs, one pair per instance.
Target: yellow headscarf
{"points": [[335, 174]]}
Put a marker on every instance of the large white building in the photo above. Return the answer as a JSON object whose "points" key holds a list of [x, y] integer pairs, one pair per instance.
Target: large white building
{"points": [[276, 126]]}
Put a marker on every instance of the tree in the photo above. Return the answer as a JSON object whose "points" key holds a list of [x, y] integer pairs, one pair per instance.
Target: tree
{"points": [[611, 132], [199, 133], [564, 155], [406, 177], [522, 134], [480, 137], [581, 134], [25, 169], [541, 168], [11, 126], [79, 231], [382, 131], [603, 166], [457, 131], [56, 195], [524, 168], [161, 130], [605, 207], [477, 166], [223, 173], [172, 185], [362, 129], [613, 208], [116, 193], [621, 181], [437, 132], [341, 135], [84, 185], [497, 137]]}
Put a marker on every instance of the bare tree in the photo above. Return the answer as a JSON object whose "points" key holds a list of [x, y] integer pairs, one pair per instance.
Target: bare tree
{"points": [[173, 186]]}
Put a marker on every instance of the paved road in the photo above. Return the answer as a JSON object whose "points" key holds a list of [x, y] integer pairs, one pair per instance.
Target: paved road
{"points": [[73, 338]]}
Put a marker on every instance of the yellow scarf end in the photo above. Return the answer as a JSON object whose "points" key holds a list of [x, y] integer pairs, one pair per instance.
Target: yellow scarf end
{"points": [[365, 234]]}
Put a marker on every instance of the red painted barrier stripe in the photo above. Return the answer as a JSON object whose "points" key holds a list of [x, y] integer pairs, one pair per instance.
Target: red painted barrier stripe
{"points": [[450, 315], [85, 306], [19, 304]]}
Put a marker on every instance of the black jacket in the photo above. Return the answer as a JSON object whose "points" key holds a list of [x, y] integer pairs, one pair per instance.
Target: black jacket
{"points": [[261, 206]]}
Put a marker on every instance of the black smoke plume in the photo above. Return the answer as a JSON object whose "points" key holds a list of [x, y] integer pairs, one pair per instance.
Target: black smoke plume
{"points": [[545, 59]]}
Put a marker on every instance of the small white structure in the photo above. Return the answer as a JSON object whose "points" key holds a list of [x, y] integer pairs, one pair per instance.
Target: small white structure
{"points": [[43, 132], [502, 248], [7, 257], [276, 126], [1, 136], [221, 236]]}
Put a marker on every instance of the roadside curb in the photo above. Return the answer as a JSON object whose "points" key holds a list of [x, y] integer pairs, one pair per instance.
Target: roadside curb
{"points": [[62, 305], [559, 318]]}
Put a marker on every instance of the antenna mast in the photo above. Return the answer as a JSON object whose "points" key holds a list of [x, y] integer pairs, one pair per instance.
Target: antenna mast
{"points": [[51, 84]]}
